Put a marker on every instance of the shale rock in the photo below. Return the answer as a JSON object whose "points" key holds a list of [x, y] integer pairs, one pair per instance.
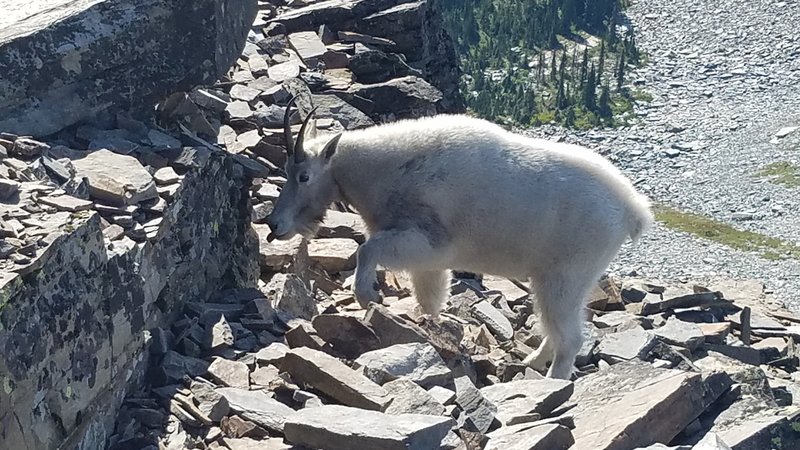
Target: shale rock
{"points": [[341, 428]]}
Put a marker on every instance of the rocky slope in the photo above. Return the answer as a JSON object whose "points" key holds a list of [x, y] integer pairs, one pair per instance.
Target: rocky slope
{"points": [[725, 80]]}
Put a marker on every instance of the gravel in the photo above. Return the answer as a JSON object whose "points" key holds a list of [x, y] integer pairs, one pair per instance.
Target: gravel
{"points": [[725, 78]]}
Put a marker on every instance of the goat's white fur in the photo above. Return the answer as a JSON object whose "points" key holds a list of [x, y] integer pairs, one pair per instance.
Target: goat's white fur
{"points": [[460, 193]]}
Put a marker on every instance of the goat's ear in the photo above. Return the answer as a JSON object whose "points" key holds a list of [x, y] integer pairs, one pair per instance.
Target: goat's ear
{"points": [[330, 147], [312, 129]]}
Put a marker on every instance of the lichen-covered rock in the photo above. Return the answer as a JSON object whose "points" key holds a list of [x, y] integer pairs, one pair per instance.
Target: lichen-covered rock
{"points": [[72, 321], [57, 69]]}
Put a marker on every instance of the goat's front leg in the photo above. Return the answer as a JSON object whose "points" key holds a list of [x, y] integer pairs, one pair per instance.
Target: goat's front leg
{"points": [[398, 249]]}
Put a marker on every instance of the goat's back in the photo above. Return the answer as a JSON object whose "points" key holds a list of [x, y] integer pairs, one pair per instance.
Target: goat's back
{"points": [[494, 189]]}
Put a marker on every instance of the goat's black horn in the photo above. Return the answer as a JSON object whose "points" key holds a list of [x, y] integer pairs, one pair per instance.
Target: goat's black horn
{"points": [[287, 129], [299, 155]]}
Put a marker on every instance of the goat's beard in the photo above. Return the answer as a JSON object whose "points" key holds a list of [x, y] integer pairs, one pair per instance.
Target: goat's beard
{"points": [[309, 226]]}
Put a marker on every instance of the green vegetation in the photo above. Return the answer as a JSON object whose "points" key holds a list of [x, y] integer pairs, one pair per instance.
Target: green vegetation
{"points": [[704, 227], [781, 172], [536, 61]]}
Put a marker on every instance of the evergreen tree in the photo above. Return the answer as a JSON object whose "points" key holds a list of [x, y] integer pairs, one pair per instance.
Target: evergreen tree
{"points": [[569, 117], [584, 66], [589, 91], [620, 75], [601, 62], [553, 68], [604, 103]]}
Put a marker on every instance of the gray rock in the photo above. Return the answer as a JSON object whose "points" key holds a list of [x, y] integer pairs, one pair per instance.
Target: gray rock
{"points": [[479, 411], [346, 336], [303, 334], [683, 334], [220, 335], [330, 376], [278, 255], [348, 115], [375, 66], [284, 71], [525, 397], [175, 366], [49, 87], [272, 354], [335, 427], [677, 298], [626, 345], [290, 294], [66, 203], [392, 329], [264, 376], [116, 179], [343, 225], [307, 45], [333, 255], [632, 404], [405, 97], [442, 394], [8, 188], [711, 441], [521, 437], [257, 407], [230, 373], [410, 398], [416, 361], [210, 402], [494, 319]]}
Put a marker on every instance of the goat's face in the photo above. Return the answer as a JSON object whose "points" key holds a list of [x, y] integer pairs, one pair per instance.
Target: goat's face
{"points": [[310, 186]]}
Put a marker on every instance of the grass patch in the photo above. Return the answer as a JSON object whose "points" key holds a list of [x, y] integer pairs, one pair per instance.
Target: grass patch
{"points": [[781, 172], [722, 233]]}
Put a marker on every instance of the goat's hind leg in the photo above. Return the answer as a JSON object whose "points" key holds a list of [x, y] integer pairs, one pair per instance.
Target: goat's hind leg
{"points": [[430, 289], [408, 249], [561, 301]]}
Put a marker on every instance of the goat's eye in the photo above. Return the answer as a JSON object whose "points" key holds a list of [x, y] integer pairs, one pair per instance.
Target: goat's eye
{"points": [[303, 178]]}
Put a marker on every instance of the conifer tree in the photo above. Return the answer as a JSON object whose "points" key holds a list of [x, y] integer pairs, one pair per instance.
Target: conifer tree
{"points": [[589, 91], [604, 103], [601, 62], [620, 75]]}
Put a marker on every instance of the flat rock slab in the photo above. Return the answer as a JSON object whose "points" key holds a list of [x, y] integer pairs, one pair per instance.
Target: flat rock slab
{"points": [[524, 397], [684, 334], [392, 329], [277, 255], [114, 178], [333, 255], [346, 336], [56, 69], [230, 373], [257, 407], [673, 298], [410, 398], [333, 378], [632, 405], [343, 225], [307, 45], [494, 319], [418, 362], [626, 345], [333, 427], [543, 437], [479, 410]]}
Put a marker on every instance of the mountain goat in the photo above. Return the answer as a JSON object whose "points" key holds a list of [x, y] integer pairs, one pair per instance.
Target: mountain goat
{"points": [[452, 192]]}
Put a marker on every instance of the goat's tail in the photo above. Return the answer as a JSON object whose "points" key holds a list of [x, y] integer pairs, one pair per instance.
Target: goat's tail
{"points": [[640, 215]]}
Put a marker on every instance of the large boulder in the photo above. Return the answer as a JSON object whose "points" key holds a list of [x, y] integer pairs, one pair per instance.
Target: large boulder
{"points": [[66, 60]]}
